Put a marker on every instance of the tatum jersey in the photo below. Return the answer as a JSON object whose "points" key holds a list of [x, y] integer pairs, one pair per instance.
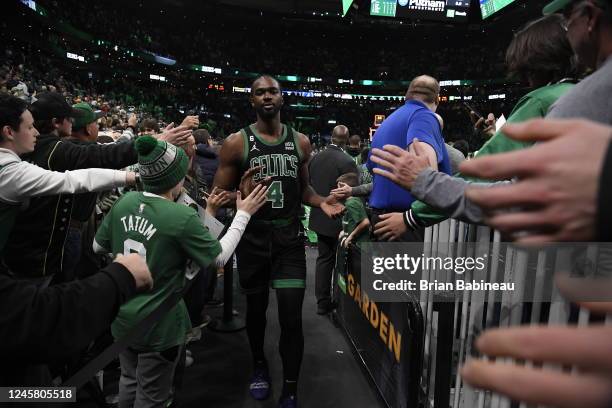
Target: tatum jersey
{"points": [[280, 160], [167, 235]]}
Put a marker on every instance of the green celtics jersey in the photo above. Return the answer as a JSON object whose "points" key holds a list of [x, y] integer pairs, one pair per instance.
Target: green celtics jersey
{"points": [[355, 213], [167, 235], [280, 161]]}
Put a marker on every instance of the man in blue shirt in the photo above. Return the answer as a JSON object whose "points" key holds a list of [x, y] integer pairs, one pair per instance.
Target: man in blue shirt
{"points": [[416, 119]]}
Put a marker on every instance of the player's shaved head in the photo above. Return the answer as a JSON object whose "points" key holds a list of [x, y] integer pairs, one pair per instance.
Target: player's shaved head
{"points": [[355, 140], [424, 88], [340, 135], [264, 81]]}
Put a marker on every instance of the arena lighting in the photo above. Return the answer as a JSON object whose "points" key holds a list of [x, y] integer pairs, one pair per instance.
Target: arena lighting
{"points": [[456, 82], [164, 60], [75, 56], [318, 94], [157, 77], [212, 70], [500, 96], [331, 122], [30, 3]]}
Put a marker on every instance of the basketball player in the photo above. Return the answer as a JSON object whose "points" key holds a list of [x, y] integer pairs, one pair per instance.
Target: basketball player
{"points": [[271, 253]]}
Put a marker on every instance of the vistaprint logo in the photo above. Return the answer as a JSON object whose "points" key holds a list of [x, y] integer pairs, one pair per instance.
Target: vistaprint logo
{"points": [[429, 5], [408, 264]]}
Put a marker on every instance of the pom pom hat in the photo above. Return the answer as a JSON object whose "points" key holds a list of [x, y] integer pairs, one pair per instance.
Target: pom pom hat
{"points": [[162, 165]]}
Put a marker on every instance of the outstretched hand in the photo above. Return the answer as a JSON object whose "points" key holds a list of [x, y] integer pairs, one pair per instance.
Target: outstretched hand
{"points": [[402, 167], [254, 201], [343, 191], [217, 199], [555, 197], [175, 135], [585, 348], [332, 208]]}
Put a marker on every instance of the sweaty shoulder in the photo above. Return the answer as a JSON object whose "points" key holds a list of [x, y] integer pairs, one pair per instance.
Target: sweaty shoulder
{"points": [[304, 145]]}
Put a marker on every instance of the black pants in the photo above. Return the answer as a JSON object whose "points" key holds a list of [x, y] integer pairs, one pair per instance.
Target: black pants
{"points": [[325, 267]]}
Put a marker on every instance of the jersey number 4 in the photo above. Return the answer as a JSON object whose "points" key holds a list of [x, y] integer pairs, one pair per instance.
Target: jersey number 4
{"points": [[275, 194], [131, 246]]}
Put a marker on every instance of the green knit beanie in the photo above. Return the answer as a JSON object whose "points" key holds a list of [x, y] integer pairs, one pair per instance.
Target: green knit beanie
{"points": [[162, 165]]}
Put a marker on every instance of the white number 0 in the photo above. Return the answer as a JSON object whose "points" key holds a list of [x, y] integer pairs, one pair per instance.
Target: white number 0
{"points": [[130, 246]]}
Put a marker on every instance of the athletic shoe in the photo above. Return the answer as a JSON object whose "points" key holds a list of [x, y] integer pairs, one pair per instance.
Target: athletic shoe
{"points": [[260, 384], [288, 402]]}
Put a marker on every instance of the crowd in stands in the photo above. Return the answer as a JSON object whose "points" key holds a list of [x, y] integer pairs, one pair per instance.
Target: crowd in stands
{"points": [[27, 70], [310, 52]]}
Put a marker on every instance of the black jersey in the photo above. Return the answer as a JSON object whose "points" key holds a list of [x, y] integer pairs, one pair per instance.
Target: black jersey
{"points": [[280, 160]]}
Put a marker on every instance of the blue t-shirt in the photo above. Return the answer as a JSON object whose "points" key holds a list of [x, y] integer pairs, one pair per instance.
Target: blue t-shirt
{"points": [[412, 120]]}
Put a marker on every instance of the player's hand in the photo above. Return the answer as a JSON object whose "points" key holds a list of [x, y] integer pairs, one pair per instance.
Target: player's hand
{"points": [[247, 184], [139, 270], [343, 191], [217, 199], [332, 208], [191, 122], [175, 135], [254, 201], [401, 166], [391, 227]]}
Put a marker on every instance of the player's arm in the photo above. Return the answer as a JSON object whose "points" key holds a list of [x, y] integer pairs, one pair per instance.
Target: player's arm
{"points": [[329, 205], [228, 173]]}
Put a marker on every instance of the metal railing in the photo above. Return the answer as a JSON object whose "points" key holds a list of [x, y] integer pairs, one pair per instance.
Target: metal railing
{"points": [[452, 326]]}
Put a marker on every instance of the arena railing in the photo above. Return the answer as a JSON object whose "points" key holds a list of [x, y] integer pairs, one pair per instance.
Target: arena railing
{"points": [[452, 327], [437, 334]]}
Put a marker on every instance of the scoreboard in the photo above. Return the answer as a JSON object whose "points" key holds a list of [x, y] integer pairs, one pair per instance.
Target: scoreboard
{"points": [[441, 10], [490, 7]]}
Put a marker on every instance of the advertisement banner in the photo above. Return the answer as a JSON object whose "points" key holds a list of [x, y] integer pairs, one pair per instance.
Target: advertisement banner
{"points": [[387, 336]]}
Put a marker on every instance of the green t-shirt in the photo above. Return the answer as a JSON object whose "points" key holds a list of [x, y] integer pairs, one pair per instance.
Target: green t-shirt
{"points": [[531, 106], [355, 213], [167, 235]]}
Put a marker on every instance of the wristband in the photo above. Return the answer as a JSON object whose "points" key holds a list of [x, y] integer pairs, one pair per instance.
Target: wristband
{"points": [[406, 220]]}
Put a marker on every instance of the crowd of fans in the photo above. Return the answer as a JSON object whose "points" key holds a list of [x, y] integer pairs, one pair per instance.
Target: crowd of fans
{"points": [[310, 51], [27, 70]]}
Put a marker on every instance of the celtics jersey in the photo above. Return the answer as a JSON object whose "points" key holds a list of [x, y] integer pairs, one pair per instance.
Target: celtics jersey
{"points": [[167, 235], [280, 161]]}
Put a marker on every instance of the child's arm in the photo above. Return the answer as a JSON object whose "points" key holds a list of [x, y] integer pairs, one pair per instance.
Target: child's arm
{"points": [[365, 223]]}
